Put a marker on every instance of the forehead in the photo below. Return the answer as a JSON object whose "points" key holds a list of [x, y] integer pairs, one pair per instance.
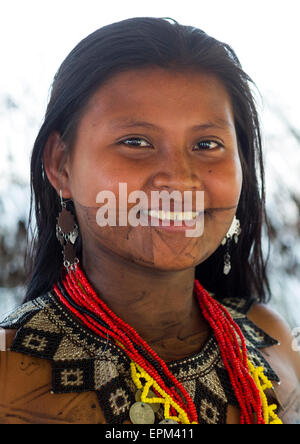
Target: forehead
{"points": [[153, 92]]}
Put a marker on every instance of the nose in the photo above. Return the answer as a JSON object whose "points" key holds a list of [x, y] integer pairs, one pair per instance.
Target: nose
{"points": [[177, 172]]}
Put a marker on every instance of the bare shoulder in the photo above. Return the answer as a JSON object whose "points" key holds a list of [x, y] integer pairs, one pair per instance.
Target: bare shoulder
{"points": [[272, 323], [283, 358], [25, 392], [21, 377]]}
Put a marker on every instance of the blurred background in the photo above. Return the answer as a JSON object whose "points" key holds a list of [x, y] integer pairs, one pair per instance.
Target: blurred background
{"points": [[35, 37]]}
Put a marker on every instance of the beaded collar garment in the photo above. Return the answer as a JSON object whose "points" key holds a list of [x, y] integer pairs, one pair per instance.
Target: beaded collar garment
{"points": [[81, 361]]}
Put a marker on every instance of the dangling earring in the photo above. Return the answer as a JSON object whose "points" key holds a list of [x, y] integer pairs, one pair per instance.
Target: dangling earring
{"points": [[67, 233], [233, 232]]}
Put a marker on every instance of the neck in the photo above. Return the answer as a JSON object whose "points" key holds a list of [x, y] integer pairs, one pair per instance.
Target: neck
{"points": [[159, 305]]}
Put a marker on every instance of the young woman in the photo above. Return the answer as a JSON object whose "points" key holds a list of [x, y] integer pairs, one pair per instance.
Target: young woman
{"points": [[142, 323]]}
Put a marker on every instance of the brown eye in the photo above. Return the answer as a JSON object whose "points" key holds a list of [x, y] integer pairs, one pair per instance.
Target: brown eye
{"points": [[208, 145], [135, 142]]}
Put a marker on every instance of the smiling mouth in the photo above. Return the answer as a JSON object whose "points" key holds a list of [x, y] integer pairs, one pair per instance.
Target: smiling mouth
{"points": [[171, 220], [172, 215]]}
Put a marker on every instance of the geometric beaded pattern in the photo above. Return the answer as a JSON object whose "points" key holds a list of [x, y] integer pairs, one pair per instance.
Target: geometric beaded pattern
{"points": [[81, 361]]}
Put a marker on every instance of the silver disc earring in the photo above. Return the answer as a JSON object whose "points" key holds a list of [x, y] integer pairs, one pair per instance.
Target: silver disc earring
{"points": [[233, 233]]}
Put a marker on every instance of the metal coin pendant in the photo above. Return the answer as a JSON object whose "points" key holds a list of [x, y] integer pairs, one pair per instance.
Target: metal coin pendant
{"points": [[155, 406], [168, 421], [141, 413]]}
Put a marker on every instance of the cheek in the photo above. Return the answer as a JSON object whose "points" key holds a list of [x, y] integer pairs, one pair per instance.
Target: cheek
{"points": [[91, 175], [90, 178], [133, 244], [224, 183]]}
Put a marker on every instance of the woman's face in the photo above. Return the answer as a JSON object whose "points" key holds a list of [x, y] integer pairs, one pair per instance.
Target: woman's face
{"points": [[188, 143]]}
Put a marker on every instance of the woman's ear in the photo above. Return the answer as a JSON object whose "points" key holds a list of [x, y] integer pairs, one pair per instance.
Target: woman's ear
{"points": [[55, 164]]}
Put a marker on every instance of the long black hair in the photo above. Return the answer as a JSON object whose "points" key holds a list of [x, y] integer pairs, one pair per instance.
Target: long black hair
{"points": [[131, 44]]}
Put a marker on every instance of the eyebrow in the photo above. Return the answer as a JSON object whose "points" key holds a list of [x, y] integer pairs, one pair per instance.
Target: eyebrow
{"points": [[123, 123]]}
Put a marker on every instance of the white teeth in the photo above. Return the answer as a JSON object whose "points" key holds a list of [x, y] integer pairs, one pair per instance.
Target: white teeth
{"points": [[170, 215]]}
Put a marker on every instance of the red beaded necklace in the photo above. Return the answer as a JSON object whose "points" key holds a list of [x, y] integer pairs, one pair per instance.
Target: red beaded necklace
{"points": [[76, 293]]}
